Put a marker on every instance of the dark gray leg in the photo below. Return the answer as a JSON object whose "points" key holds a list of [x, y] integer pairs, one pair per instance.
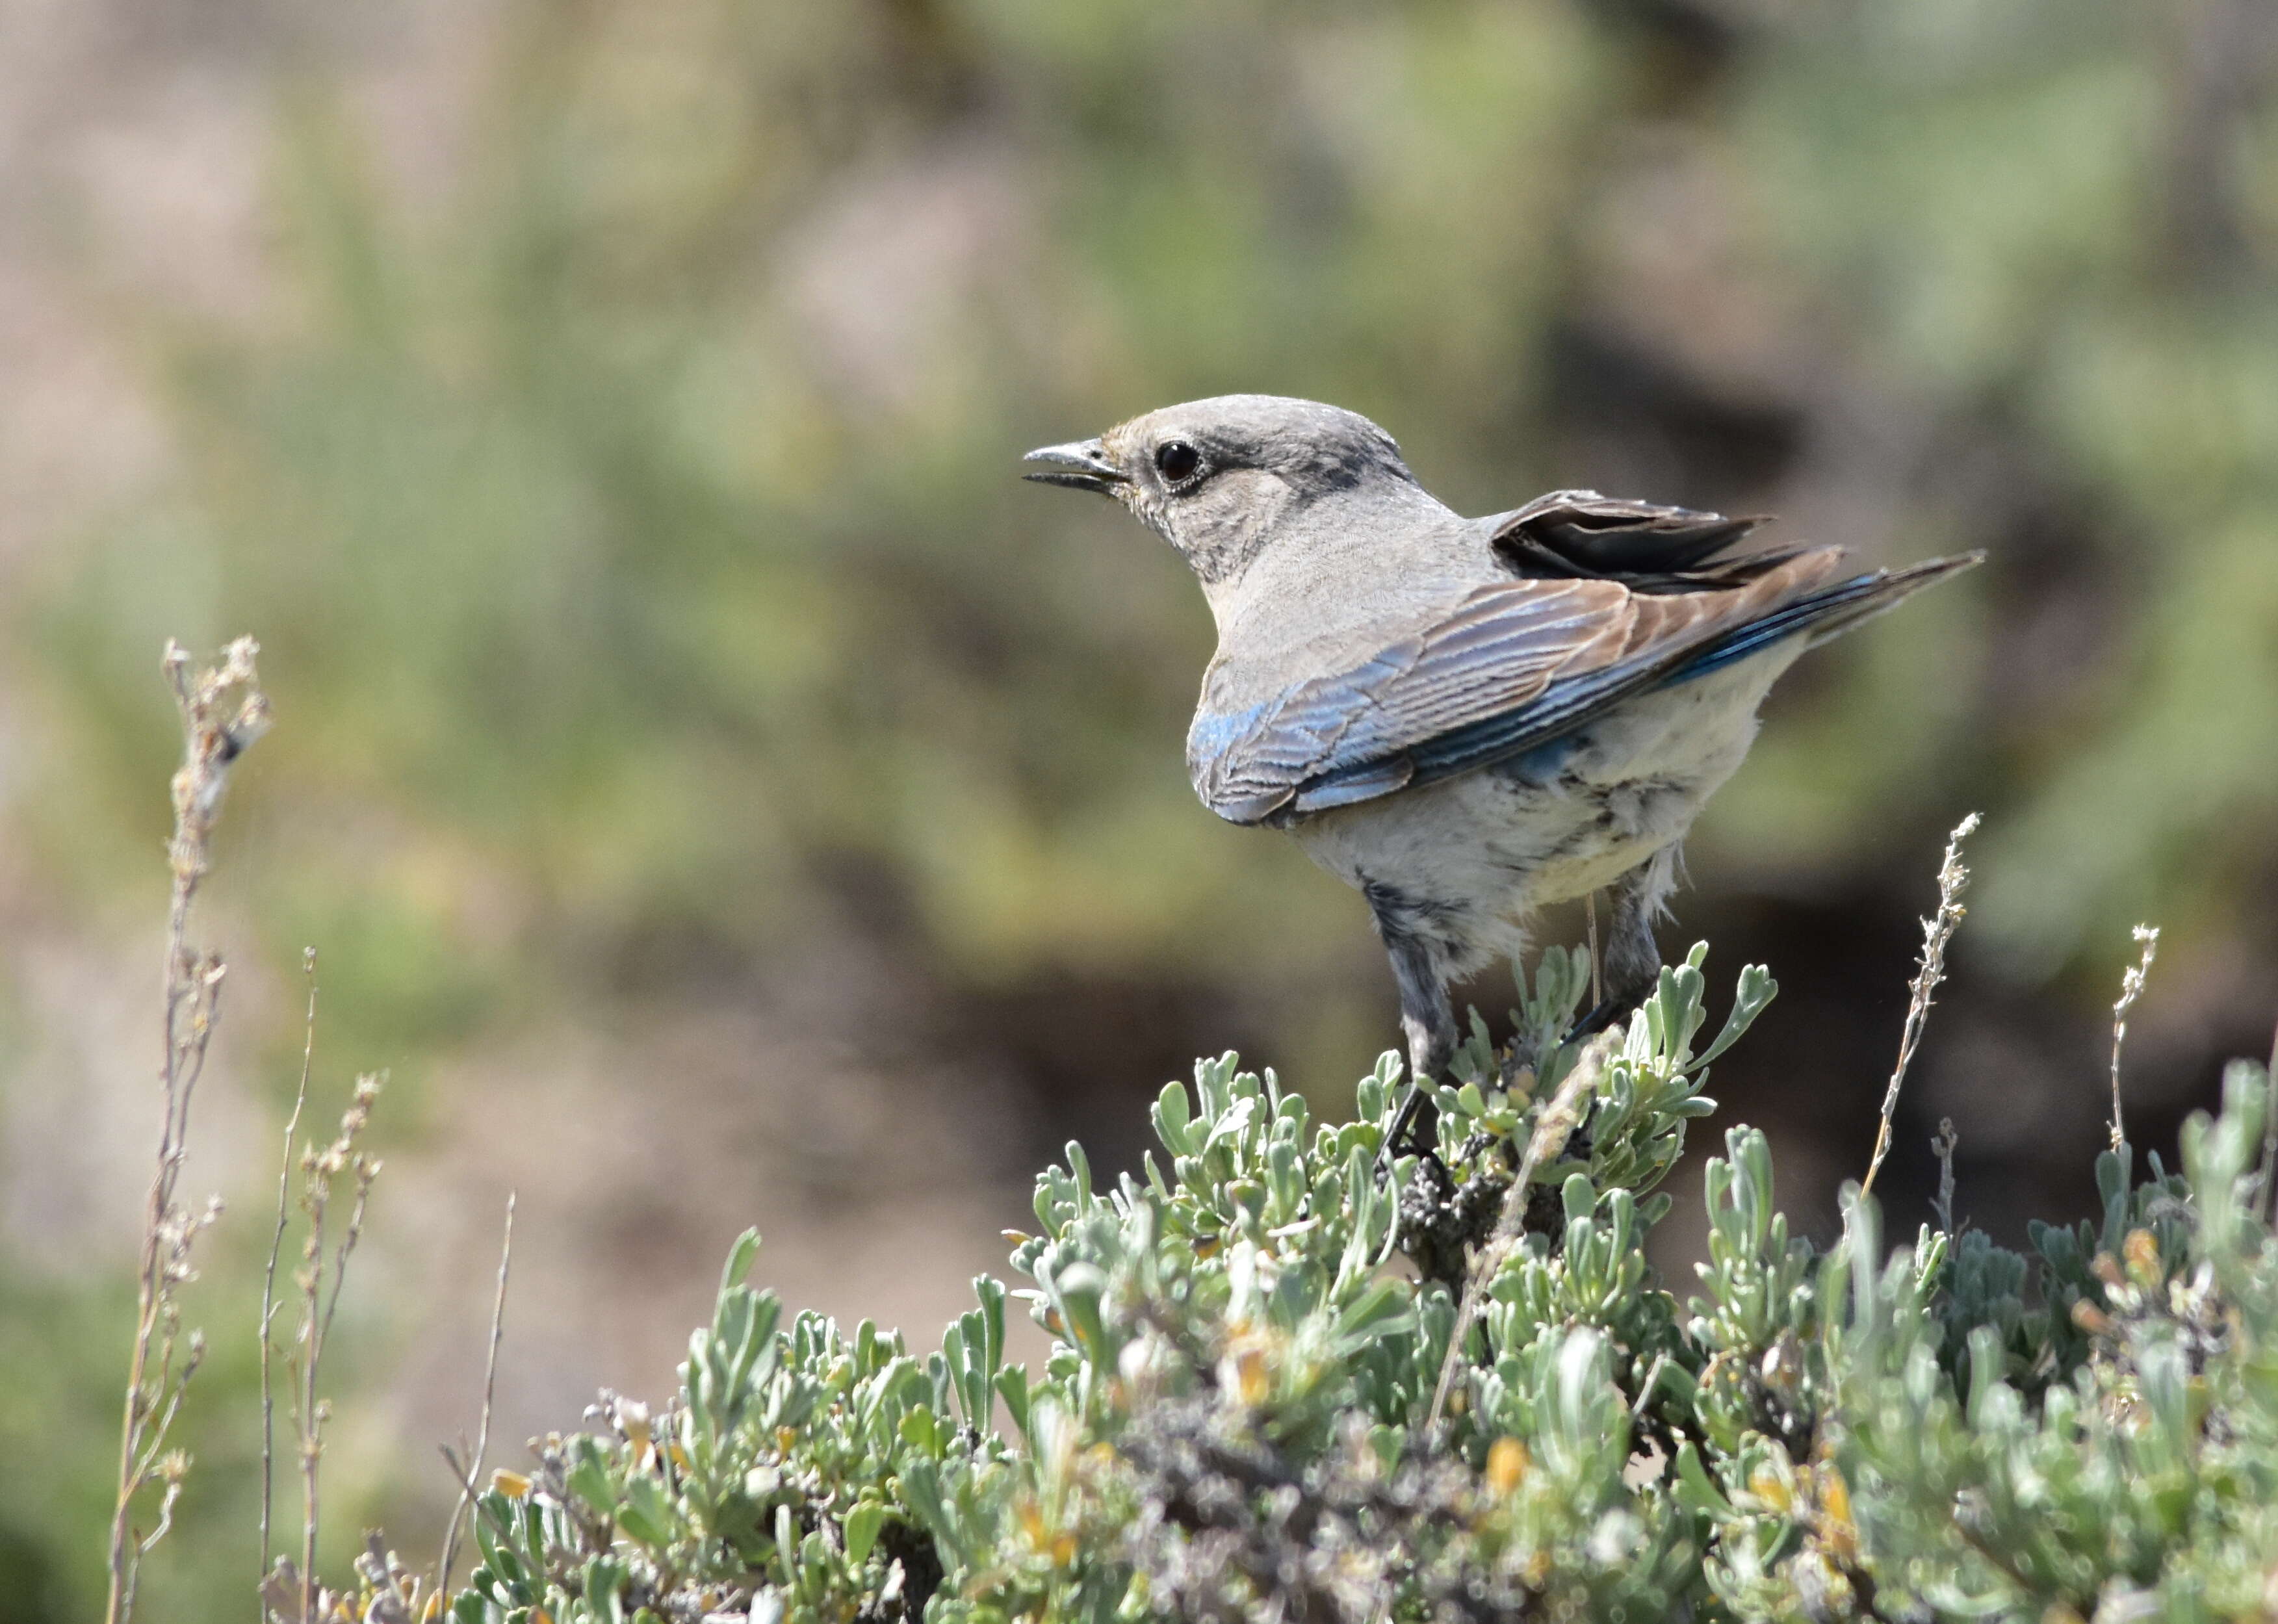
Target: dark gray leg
{"points": [[1633, 957], [1430, 1025], [1425, 1015]]}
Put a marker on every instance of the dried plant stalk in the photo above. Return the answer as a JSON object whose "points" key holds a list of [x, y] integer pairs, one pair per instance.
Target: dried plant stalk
{"points": [[323, 1269], [224, 711], [482, 1432], [2131, 989], [1938, 930], [276, 1251]]}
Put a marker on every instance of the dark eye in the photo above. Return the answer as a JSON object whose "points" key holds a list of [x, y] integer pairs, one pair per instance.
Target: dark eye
{"points": [[1177, 460]]}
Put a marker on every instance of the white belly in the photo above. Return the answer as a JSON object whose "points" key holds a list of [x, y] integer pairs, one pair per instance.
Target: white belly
{"points": [[1465, 862]]}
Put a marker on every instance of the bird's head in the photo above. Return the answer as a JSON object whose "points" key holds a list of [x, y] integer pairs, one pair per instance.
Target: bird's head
{"points": [[1216, 477]]}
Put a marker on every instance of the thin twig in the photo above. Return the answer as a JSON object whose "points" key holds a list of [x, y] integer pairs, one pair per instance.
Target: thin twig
{"points": [[472, 1489], [1938, 930], [308, 1425], [276, 1250], [367, 1168], [223, 714], [490, 1394], [1552, 1129], [310, 1412], [2131, 989]]}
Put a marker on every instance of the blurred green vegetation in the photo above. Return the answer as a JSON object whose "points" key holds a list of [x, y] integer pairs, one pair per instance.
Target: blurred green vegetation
{"points": [[626, 503], [632, 523]]}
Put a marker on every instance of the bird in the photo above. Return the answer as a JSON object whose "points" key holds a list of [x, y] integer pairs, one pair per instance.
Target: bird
{"points": [[1467, 719]]}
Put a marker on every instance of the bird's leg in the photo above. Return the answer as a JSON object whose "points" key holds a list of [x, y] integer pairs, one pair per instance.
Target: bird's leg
{"points": [[1633, 958], [1430, 1025]]}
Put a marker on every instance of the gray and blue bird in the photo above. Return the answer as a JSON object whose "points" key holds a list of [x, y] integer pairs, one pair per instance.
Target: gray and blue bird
{"points": [[1467, 719]]}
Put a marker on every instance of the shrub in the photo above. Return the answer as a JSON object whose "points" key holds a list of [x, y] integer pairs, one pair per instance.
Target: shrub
{"points": [[1250, 1409]]}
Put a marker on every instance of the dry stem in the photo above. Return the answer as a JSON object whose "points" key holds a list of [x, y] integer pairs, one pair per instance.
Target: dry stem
{"points": [[1938, 930], [317, 1308], [2131, 989], [276, 1250], [224, 711], [490, 1394]]}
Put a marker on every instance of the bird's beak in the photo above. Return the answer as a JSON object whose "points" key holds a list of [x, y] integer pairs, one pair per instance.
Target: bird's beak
{"points": [[1081, 465]]}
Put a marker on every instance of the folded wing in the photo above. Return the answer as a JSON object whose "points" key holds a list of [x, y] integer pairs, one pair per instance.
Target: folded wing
{"points": [[1617, 601]]}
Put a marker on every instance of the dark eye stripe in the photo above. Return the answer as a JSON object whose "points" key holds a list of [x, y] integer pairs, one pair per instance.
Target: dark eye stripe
{"points": [[1175, 460]]}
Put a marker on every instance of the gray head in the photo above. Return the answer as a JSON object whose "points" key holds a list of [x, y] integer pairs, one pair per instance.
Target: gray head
{"points": [[1215, 477]]}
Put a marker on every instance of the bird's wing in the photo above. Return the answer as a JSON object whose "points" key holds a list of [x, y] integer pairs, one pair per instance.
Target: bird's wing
{"points": [[1514, 666], [1582, 535]]}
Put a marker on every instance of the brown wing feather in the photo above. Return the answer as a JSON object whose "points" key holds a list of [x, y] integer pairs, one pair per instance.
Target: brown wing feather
{"points": [[1652, 547]]}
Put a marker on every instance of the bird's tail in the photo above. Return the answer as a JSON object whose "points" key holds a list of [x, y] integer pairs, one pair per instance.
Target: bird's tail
{"points": [[1825, 614]]}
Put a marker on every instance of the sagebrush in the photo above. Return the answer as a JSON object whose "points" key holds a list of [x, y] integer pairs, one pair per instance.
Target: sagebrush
{"points": [[1235, 1420]]}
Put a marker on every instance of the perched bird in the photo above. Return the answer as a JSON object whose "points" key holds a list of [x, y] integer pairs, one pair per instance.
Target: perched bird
{"points": [[1465, 718]]}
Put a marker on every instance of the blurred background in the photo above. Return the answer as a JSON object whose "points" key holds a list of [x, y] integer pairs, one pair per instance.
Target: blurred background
{"points": [[719, 792]]}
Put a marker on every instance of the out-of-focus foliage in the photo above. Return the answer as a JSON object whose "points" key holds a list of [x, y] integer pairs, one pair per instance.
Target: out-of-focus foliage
{"points": [[1237, 1418], [634, 521]]}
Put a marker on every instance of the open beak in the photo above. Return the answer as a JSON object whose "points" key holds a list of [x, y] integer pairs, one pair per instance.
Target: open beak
{"points": [[1081, 465]]}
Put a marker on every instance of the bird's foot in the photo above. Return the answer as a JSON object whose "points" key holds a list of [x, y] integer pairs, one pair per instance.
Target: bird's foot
{"points": [[1608, 1012], [1596, 1020], [1413, 1132]]}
